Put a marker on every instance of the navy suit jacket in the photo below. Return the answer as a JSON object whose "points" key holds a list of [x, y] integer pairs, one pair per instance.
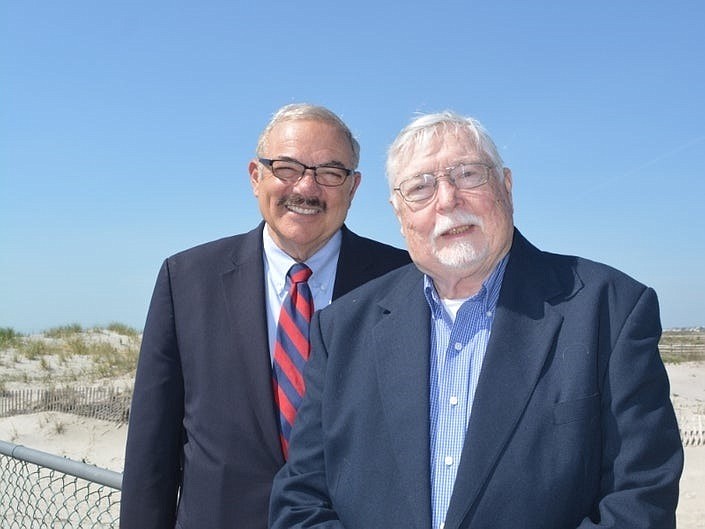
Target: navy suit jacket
{"points": [[571, 426], [203, 422]]}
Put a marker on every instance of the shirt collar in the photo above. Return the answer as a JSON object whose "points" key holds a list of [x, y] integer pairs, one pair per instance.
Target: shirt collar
{"points": [[322, 263], [488, 293]]}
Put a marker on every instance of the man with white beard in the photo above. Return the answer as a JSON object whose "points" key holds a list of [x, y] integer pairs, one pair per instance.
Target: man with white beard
{"points": [[488, 384]]}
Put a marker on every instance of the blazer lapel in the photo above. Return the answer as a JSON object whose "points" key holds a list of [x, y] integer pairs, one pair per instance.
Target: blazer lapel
{"points": [[402, 371], [524, 328], [244, 289]]}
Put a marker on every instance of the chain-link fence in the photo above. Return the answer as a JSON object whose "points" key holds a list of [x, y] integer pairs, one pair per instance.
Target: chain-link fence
{"points": [[45, 491]]}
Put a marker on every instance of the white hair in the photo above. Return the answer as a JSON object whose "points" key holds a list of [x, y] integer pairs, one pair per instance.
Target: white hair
{"points": [[423, 129], [303, 112]]}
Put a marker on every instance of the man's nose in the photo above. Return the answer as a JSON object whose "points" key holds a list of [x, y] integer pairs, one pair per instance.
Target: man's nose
{"points": [[446, 193], [307, 180]]}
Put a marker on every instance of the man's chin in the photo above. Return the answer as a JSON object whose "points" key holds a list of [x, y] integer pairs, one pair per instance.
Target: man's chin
{"points": [[458, 256]]}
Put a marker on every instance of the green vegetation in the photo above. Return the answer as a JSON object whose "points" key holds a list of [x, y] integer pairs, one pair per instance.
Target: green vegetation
{"points": [[59, 427], [8, 337], [64, 331], [125, 330], [108, 361], [77, 346], [69, 353], [34, 349]]}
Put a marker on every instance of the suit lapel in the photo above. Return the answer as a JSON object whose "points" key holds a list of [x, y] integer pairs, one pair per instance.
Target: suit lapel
{"points": [[402, 373], [524, 329], [244, 289]]}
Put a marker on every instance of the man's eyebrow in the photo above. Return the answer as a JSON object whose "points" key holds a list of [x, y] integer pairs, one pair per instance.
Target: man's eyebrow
{"points": [[454, 164], [332, 163]]}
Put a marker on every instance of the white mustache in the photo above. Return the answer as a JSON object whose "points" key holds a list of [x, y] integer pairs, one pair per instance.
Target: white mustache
{"points": [[446, 223]]}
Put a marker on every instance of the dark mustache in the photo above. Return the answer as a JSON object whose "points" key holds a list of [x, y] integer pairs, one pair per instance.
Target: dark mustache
{"points": [[299, 200]]}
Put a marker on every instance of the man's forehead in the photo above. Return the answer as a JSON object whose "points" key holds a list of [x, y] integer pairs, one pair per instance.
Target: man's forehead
{"points": [[438, 152], [300, 126], [309, 135]]}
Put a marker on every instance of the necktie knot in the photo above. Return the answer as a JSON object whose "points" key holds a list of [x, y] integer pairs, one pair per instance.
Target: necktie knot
{"points": [[299, 273]]}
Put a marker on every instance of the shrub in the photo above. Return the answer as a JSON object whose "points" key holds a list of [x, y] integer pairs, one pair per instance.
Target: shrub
{"points": [[9, 337], [125, 330], [33, 349], [64, 331], [109, 361], [77, 346]]}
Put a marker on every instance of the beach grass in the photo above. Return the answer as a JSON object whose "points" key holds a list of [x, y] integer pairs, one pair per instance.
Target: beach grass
{"points": [[69, 353]]}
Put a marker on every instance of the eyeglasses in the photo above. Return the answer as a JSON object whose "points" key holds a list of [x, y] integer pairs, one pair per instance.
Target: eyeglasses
{"points": [[463, 176], [291, 171]]}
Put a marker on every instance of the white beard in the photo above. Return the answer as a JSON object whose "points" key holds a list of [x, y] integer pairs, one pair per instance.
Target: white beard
{"points": [[459, 255]]}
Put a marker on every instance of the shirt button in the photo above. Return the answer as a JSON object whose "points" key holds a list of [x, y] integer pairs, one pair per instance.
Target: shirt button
{"points": [[458, 346], [454, 401], [442, 526], [448, 460], [489, 313]]}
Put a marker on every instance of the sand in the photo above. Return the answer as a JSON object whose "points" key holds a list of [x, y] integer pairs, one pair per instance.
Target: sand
{"points": [[100, 443]]}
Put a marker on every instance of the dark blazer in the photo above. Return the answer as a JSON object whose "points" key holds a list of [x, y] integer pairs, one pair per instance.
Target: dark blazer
{"points": [[203, 420], [571, 426]]}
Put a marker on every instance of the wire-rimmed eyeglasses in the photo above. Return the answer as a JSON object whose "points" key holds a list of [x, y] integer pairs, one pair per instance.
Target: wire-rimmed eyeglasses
{"points": [[291, 171], [424, 186]]}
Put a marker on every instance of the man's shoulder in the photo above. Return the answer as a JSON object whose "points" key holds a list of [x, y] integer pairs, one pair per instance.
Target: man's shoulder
{"points": [[217, 249], [591, 271], [567, 266]]}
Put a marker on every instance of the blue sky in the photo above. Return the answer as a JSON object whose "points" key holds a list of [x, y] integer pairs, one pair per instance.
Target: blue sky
{"points": [[126, 129]]}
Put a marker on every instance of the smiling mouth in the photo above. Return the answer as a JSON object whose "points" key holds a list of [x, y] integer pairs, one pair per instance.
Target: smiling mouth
{"points": [[457, 230], [302, 205], [302, 210]]}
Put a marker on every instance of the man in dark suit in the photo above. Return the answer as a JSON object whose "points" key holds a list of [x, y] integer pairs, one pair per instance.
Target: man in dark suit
{"points": [[491, 385], [204, 438]]}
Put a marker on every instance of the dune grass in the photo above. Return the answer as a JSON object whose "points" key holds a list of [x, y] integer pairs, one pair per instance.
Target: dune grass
{"points": [[69, 352], [8, 337]]}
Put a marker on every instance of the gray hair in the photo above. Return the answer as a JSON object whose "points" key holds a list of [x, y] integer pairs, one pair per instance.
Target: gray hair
{"points": [[423, 129], [305, 111]]}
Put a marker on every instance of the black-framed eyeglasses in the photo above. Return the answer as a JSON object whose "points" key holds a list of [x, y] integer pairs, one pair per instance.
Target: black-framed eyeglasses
{"points": [[291, 171], [424, 186]]}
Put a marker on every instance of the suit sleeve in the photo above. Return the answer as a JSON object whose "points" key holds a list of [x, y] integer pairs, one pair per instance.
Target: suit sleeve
{"points": [[300, 497], [152, 457], [642, 455]]}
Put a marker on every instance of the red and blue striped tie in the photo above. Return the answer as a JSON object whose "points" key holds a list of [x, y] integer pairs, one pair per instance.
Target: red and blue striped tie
{"points": [[292, 349]]}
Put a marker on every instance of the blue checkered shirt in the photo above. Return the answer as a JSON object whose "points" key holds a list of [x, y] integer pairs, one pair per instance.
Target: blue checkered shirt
{"points": [[457, 351]]}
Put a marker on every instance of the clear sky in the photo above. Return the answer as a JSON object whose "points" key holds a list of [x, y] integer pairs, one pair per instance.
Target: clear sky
{"points": [[126, 128]]}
